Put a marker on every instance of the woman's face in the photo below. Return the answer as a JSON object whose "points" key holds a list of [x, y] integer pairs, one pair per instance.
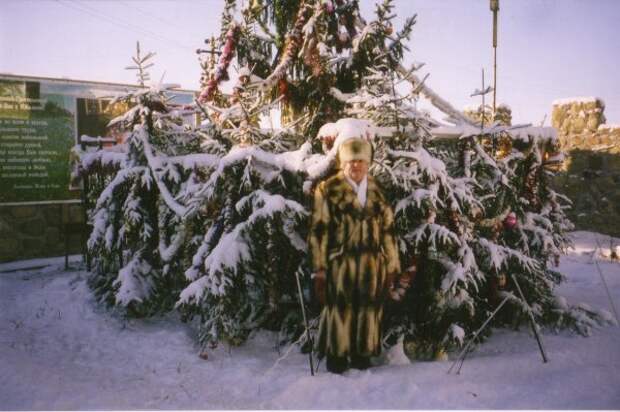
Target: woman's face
{"points": [[356, 170]]}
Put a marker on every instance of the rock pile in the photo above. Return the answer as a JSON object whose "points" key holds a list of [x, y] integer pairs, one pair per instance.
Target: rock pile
{"points": [[581, 125], [578, 115]]}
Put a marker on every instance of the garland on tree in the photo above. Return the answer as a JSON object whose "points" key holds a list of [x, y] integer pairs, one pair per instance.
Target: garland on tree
{"points": [[221, 70]]}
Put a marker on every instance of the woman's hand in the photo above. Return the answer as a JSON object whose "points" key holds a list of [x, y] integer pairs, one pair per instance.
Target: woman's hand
{"points": [[399, 287]]}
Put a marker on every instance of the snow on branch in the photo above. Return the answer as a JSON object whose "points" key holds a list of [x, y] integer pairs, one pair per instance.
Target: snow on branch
{"points": [[234, 247], [367, 30], [528, 134], [433, 97], [194, 271], [229, 253], [103, 158], [429, 165], [268, 204], [100, 229], [464, 130], [290, 161], [126, 118], [455, 272], [133, 281], [121, 177], [168, 252], [418, 196], [155, 164], [343, 97], [433, 233], [194, 160], [500, 255]]}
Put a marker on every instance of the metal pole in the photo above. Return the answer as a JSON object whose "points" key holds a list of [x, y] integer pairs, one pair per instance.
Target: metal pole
{"points": [[532, 321], [85, 206], [494, 9], [465, 350], [463, 353], [484, 109], [611, 301], [303, 314], [66, 227]]}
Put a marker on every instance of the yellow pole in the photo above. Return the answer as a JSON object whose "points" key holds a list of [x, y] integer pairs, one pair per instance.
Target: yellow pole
{"points": [[494, 9]]}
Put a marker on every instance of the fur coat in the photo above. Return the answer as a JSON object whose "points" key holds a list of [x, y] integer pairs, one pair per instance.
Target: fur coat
{"points": [[356, 247]]}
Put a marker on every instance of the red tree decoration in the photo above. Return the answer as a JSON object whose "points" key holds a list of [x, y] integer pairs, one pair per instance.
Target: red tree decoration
{"points": [[510, 221]]}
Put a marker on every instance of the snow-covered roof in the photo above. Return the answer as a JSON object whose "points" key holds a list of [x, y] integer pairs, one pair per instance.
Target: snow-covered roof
{"points": [[517, 132], [545, 133], [571, 100], [455, 131]]}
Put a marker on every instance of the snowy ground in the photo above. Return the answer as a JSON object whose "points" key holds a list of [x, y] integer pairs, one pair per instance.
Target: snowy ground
{"points": [[60, 350]]}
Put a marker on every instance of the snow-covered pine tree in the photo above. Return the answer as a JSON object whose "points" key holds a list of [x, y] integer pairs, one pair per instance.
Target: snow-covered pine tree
{"points": [[500, 262], [516, 238], [137, 232], [242, 274], [541, 228]]}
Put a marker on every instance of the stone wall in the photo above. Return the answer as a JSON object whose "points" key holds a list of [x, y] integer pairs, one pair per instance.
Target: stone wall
{"points": [[592, 182], [34, 231], [577, 115], [606, 138], [591, 172]]}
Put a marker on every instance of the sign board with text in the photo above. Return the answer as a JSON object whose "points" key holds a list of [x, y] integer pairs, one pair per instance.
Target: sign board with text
{"points": [[40, 121]]}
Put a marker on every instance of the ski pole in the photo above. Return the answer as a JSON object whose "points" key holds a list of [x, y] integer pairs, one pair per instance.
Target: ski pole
{"points": [[532, 321], [303, 314], [611, 301], [463, 353]]}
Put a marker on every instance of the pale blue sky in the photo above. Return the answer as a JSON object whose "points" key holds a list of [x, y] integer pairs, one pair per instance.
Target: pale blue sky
{"points": [[548, 49]]}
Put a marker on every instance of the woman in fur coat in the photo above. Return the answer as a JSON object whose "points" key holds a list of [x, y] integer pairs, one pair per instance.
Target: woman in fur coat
{"points": [[354, 258]]}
